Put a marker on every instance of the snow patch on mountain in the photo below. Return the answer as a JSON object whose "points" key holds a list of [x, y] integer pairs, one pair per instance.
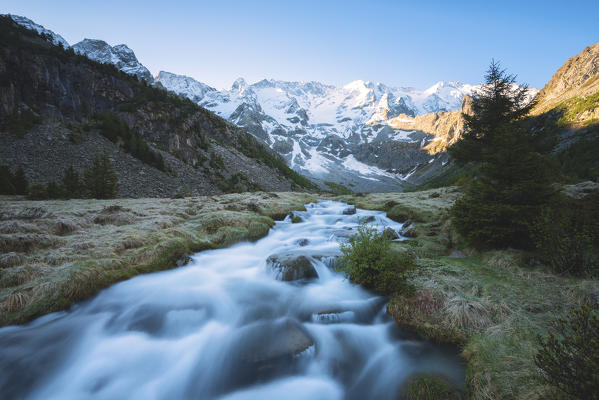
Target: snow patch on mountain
{"points": [[183, 85], [121, 56], [321, 129], [29, 24]]}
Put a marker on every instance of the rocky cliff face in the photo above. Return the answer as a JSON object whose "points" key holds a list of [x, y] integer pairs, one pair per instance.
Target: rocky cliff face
{"points": [[64, 91], [578, 77], [446, 127], [120, 56]]}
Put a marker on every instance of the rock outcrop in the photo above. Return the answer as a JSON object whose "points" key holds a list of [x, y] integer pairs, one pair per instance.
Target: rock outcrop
{"points": [[578, 77], [446, 127]]}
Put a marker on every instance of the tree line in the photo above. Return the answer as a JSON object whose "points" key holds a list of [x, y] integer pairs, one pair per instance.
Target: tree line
{"points": [[98, 181]]}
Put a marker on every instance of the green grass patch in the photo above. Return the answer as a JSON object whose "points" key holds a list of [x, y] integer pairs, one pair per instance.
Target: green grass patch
{"points": [[572, 108], [338, 189]]}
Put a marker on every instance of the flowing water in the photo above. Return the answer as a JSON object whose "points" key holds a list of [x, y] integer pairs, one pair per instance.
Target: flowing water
{"points": [[225, 327]]}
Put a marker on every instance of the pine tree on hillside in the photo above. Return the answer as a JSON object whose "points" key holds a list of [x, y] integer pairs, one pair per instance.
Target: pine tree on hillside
{"points": [[513, 178], [71, 183], [101, 179], [20, 181], [54, 190], [6, 181], [498, 103]]}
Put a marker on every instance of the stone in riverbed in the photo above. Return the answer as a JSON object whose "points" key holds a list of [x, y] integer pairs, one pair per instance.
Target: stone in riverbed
{"points": [[303, 242], [183, 260], [349, 211], [368, 219], [292, 267], [390, 233], [274, 341]]}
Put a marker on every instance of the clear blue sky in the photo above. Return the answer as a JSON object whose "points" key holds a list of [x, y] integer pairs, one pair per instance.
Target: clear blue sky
{"points": [[400, 43]]}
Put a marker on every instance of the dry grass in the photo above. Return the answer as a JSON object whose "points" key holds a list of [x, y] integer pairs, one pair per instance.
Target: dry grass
{"points": [[9, 260], [26, 242], [53, 253]]}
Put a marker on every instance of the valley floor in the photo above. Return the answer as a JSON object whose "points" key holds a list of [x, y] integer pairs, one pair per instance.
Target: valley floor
{"points": [[493, 304]]}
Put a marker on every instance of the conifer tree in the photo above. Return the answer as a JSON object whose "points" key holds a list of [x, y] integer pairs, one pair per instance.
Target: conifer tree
{"points": [[54, 190], [512, 182], [6, 181], [71, 183], [20, 181], [101, 179]]}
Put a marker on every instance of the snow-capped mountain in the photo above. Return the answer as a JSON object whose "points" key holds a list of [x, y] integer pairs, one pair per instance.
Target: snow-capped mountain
{"points": [[367, 135], [120, 55], [184, 85], [332, 133], [29, 24]]}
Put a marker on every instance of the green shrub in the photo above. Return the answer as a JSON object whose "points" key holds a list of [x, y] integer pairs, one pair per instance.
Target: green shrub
{"points": [[71, 183], [369, 261], [37, 191], [401, 213], [569, 355], [566, 236], [100, 179], [579, 161], [6, 181], [117, 131], [20, 122], [216, 161], [338, 189], [54, 190], [20, 181]]}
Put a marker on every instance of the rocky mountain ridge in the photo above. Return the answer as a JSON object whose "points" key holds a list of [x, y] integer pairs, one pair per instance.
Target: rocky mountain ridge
{"points": [[55, 107], [579, 76], [120, 56], [331, 133]]}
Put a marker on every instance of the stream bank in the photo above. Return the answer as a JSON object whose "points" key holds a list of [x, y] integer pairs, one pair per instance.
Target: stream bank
{"points": [[56, 253], [492, 304]]}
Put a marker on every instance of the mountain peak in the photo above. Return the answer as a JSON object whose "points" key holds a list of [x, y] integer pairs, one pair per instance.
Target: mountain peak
{"points": [[184, 85], [121, 56], [29, 24], [239, 84], [577, 77]]}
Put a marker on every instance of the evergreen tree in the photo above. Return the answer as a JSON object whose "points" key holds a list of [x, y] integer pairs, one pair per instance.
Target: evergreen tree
{"points": [[512, 182], [498, 103], [54, 190], [100, 179], [20, 181], [37, 191], [71, 183], [6, 181]]}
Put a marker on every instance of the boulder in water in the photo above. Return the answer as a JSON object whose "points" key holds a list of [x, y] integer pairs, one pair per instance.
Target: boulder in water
{"points": [[368, 219], [183, 260], [303, 242], [389, 233], [292, 267], [274, 341], [295, 217], [349, 211]]}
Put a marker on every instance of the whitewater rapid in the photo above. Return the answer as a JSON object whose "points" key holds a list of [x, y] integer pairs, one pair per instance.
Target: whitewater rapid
{"points": [[223, 327]]}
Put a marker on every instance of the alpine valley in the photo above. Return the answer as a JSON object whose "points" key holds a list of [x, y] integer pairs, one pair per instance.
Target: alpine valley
{"points": [[367, 136]]}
